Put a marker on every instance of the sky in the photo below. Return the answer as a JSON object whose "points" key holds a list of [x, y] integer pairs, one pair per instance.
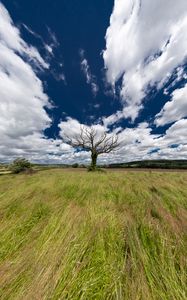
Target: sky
{"points": [[118, 66]]}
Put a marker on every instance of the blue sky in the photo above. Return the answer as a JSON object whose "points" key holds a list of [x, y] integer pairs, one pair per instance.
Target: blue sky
{"points": [[119, 66]]}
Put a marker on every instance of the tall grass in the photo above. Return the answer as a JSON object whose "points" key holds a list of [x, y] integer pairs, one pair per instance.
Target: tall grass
{"points": [[77, 235]]}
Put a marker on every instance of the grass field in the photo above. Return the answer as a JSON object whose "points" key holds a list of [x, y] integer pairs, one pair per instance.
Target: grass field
{"points": [[78, 235]]}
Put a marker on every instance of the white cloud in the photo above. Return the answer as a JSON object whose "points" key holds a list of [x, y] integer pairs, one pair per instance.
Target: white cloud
{"points": [[97, 105], [140, 143], [23, 117], [90, 78], [53, 38], [145, 42], [52, 43], [135, 143], [58, 76], [114, 118], [71, 127], [175, 109], [176, 134], [10, 38], [48, 47]]}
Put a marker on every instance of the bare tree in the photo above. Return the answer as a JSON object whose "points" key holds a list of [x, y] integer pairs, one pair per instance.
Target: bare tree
{"points": [[89, 139]]}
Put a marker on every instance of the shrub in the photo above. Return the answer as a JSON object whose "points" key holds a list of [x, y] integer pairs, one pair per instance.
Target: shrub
{"points": [[20, 165], [75, 165], [97, 169]]}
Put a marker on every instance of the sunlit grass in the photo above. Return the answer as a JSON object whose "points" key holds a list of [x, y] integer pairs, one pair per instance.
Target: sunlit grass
{"points": [[79, 235]]}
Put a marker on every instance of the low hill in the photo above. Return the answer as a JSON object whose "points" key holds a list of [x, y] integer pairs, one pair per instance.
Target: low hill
{"points": [[160, 164]]}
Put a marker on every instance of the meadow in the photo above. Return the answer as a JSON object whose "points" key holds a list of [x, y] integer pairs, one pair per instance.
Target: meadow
{"points": [[79, 235]]}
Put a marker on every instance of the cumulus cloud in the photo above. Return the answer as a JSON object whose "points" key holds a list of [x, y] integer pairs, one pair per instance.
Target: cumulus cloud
{"points": [[72, 127], [114, 118], [135, 143], [23, 116], [23, 103], [145, 43], [90, 78], [141, 143], [175, 109]]}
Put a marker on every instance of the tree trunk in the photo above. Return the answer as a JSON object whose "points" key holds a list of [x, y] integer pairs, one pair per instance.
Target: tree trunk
{"points": [[94, 160]]}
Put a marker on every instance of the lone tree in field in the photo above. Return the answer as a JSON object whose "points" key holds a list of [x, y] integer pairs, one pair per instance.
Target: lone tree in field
{"points": [[89, 139], [20, 165]]}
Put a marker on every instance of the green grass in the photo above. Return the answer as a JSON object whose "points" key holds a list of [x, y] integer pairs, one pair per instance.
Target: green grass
{"points": [[78, 235]]}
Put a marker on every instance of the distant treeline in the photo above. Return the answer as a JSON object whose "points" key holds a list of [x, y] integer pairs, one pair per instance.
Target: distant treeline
{"points": [[154, 164]]}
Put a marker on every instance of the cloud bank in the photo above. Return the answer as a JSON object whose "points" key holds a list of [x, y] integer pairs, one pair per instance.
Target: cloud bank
{"points": [[135, 143]]}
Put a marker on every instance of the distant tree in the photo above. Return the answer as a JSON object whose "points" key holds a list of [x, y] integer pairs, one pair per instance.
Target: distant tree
{"points": [[20, 165], [89, 139], [75, 165]]}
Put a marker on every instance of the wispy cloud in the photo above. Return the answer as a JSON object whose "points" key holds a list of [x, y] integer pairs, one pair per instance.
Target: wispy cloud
{"points": [[90, 78], [50, 46]]}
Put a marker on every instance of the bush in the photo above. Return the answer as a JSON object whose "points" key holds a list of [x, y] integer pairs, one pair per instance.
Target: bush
{"points": [[20, 165], [97, 169], [75, 165]]}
